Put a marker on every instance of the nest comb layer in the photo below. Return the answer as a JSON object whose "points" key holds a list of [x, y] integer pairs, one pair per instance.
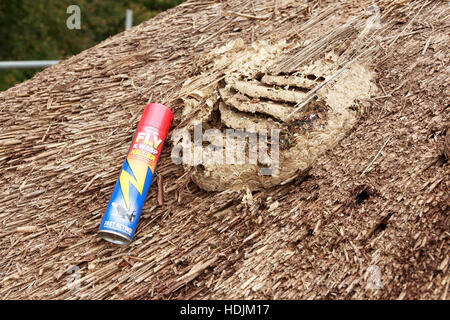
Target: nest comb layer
{"points": [[251, 93]]}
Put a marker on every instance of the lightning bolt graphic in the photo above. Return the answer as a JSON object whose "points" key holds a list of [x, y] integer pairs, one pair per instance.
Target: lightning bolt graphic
{"points": [[139, 170]]}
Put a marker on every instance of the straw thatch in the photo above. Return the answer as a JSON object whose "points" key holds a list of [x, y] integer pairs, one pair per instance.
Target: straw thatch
{"points": [[378, 203]]}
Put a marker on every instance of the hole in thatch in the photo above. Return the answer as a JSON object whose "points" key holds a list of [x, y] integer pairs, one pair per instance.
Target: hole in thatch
{"points": [[442, 160], [362, 196], [382, 225], [378, 227]]}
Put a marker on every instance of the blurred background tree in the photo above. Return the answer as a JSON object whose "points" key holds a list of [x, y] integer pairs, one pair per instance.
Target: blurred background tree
{"points": [[36, 30]]}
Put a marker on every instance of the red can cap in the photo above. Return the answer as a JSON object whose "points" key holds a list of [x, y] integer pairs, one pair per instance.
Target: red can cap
{"points": [[157, 116]]}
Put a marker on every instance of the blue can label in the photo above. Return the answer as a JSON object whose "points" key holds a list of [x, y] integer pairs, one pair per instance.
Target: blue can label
{"points": [[127, 200]]}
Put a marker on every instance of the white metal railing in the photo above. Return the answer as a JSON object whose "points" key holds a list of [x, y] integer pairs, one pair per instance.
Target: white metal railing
{"points": [[27, 64], [128, 19]]}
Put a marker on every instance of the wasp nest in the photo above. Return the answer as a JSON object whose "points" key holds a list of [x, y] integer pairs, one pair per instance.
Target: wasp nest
{"points": [[302, 112]]}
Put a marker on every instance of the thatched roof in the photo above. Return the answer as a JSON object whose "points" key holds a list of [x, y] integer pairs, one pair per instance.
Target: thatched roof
{"points": [[378, 201]]}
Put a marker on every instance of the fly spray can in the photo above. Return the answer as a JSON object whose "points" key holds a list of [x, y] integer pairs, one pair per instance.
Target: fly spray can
{"points": [[122, 214]]}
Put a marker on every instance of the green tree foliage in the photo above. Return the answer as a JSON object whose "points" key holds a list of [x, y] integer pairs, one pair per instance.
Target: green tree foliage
{"points": [[36, 30]]}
